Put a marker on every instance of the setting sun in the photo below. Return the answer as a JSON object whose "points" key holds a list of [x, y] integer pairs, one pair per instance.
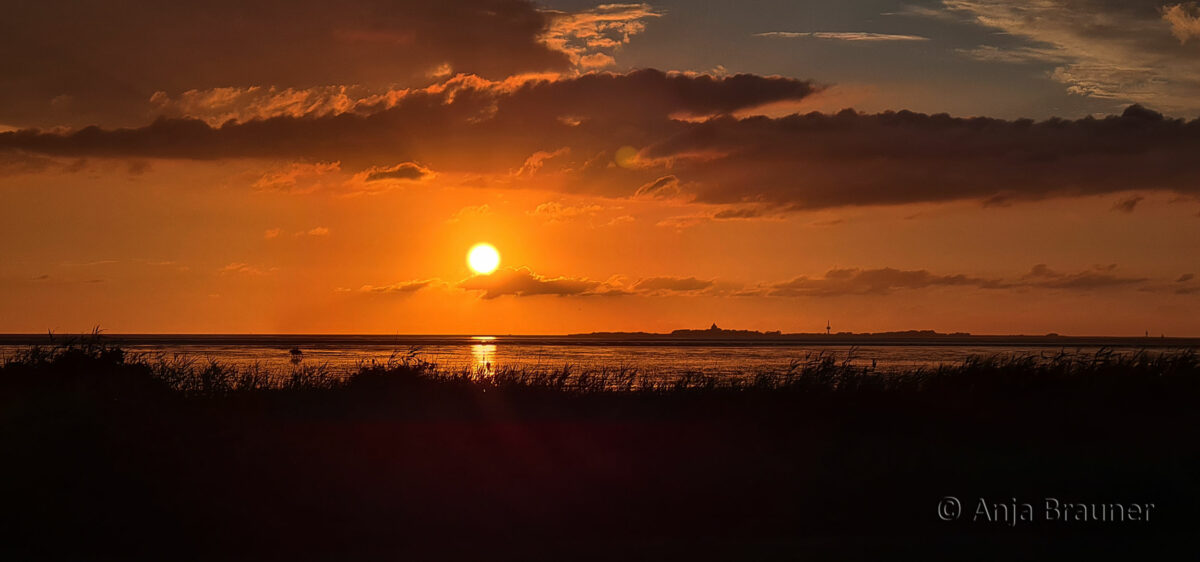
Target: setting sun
{"points": [[483, 258]]}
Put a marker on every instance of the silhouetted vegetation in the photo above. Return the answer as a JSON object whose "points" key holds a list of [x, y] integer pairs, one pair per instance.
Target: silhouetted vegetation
{"points": [[167, 457]]}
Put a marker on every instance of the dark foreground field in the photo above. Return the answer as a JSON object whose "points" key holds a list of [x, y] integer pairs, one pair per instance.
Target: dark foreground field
{"points": [[108, 457]]}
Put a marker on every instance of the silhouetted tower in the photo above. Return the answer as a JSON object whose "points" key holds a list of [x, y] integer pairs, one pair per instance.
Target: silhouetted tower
{"points": [[828, 327]]}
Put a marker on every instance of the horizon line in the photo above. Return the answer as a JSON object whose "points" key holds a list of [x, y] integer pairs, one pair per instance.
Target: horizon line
{"points": [[767, 333]]}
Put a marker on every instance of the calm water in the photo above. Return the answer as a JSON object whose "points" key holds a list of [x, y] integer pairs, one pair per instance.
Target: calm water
{"points": [[343, 354]]}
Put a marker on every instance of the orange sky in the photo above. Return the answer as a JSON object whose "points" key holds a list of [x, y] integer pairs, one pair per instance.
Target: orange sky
{"points": [[619, 199]]}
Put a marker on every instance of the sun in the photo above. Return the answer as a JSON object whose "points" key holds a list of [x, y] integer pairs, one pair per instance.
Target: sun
{"points": [[483, 258]]}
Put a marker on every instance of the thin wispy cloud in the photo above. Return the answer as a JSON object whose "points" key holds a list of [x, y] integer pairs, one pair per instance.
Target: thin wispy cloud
{"points": [[1133, 51], [842, 35]]}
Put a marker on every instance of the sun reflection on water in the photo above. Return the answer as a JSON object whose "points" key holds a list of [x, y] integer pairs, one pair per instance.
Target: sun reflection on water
{"points": [[483, 357]]}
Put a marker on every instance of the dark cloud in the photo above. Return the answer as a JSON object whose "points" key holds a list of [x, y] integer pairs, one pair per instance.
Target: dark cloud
{"points": [[14, 162], [1099, 277], [403, 288], [817, 161], [652, 94], [837, 282], [762, 166], [741, 213], [522, 282], [728, 213], [138, 167], [663, 187], [1185, 277], [405, 171], [467, 124], [1128, 204], [69, 62], [672, 284]]}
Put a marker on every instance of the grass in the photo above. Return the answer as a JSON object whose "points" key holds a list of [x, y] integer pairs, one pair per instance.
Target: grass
{"points": [[151, 456], [91, 361]]}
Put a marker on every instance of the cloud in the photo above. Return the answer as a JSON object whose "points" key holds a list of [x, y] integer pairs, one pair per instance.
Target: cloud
{"points": [[884, 281], [1128, 51], [465, 124], [838, 282], [664, 187], [487, 129], [1014, 55], [401, 288], [219, 105], [89, 263], [727, 213], [469, 212], [555, 212], [272, 233], [684, 221], [1099, 277], [590, 37], [17, 162], [1184, 20], [299, 177], [241, 268], [380, 179], [818, 161], [121, 54], [842, 36], [735, 213], [1128, 204], [537, 160], [1185, 277], [317, 231], [522, 282], [596, 60], [671, 284], [405, 171]]}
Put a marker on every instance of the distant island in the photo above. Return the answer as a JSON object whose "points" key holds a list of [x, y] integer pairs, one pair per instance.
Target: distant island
{"points": [[720, 333], [715, 334]]}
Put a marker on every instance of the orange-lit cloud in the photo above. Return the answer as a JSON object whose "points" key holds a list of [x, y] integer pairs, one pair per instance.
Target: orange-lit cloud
{"points": [[555, 212], [1184, 20], [405, 287], [590, 37], [246, 269], [297, 176]]}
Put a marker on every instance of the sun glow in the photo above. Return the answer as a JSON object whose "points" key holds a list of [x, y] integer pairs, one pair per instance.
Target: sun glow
{"points": [[483, 258]]}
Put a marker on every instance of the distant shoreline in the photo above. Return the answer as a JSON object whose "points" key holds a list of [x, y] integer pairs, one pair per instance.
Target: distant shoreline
{"points": [[699, 338]]}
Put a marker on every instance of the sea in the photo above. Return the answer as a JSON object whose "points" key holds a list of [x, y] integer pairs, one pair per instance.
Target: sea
{"points": [[646, 353]]}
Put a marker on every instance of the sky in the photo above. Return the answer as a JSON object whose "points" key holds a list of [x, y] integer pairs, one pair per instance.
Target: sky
{"points": [[272, 166]]}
